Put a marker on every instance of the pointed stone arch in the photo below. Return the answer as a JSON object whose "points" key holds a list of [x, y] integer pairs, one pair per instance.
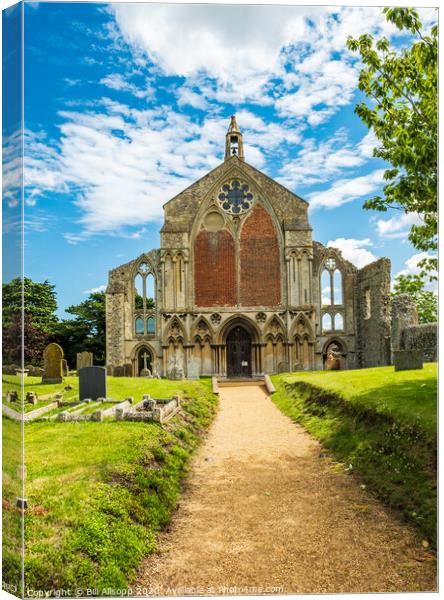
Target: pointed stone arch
{"points": [[260, 260]]}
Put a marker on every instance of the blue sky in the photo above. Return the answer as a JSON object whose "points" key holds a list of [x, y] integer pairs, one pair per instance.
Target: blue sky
{"points": [[127, 104]]}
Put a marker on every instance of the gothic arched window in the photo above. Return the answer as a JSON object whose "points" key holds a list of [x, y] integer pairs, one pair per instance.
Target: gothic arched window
{"points": [[331, 284], [339, 322], [144, 298], [326, 322]]}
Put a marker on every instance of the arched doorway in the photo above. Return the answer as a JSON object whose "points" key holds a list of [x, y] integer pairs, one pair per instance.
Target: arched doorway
{"points": [[144, 362], [238, 352]]}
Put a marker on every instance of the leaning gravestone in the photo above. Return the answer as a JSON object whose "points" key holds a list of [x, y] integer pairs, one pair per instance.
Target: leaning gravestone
{"points": [[193, 368], [84, 359], [52, 358], [92, 383], [405, 360]]}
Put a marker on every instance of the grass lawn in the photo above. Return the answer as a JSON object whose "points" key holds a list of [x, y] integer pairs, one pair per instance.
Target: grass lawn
{"points": [[99, 492], [382, 422]]}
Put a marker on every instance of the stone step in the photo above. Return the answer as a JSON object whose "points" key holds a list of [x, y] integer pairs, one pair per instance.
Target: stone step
{"points": [[240, 382]]}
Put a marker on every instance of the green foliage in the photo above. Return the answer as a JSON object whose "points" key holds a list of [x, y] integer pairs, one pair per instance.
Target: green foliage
{"points": [[86, 331], [402, 87], [39, 302], [34, 341], [104, 503], [382, 423], [426, 301]]}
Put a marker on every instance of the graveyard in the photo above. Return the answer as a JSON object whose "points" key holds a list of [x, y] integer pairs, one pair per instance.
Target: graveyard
{"points": [[99, 491]]}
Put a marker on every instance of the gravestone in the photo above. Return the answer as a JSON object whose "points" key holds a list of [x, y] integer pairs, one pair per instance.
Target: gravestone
{"points": [[52, 358], [283, 367], [84, 359], [175, 368], [119, 371], [193, 368], [31, 397], [65, 370], [92, 383], [404, 360]]}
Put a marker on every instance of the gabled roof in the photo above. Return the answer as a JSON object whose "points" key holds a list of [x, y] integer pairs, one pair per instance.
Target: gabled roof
{"points": [[182, 208]]}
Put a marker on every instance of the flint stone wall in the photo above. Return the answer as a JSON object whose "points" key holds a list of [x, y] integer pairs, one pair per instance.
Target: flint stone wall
{"points": [[422, 337]]}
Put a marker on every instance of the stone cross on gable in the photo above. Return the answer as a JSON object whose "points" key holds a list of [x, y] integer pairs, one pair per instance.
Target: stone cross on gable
{"points": [[330, 263]]}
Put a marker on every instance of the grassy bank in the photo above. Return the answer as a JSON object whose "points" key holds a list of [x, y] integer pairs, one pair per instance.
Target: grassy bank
{"points": [[99, 492], [382, 423]]}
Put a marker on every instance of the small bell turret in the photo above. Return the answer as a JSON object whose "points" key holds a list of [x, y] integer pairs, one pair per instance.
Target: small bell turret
{"points": [[234, 145]]}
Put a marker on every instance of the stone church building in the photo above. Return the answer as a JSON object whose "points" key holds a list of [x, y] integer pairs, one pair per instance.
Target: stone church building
{"points": [[239, 287]]}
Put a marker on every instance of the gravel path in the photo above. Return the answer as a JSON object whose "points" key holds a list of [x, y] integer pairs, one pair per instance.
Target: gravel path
{"points": [[263, 513]]}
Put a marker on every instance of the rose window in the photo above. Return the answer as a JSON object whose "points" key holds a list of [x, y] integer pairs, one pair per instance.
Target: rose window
{"points": [[235, 197]]}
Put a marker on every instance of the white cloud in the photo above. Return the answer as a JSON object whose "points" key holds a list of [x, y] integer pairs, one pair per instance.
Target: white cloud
{"points": [[412, 268], [121, 165], [292, 56], [347, 190], [95, 290], [116, 81], [398, 226], [316, 162], [356, 251], [368, 142]]}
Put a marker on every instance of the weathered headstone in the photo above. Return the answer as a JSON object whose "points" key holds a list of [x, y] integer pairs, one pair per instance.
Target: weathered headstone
{"points": [[52, 357], [175, 368], [31, 397], [193, 368], [92, 383], [12, 396], [65, 369], [119, 371], [405, 360], [84, 359], [283, 367]]}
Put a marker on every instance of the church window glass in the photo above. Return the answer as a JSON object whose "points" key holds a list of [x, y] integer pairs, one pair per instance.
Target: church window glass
{"points": [[139, 325], [339, 322], [235, 197], [326, 322], [150, 325]]}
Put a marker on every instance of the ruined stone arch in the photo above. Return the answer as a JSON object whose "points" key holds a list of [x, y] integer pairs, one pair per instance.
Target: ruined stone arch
{"points": [[340, 362]]}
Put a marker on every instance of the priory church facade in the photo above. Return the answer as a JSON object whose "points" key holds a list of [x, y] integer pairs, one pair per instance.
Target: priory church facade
{"points": [[239, 288]]}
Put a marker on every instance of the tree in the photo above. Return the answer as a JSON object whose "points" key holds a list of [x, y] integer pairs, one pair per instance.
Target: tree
{"points": [[34, 341], [402, 86], [426, 301], [86, 331], [39, 300]]}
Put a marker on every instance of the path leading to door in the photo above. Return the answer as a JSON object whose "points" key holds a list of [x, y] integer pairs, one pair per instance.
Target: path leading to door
{"points": [[262, 510]]}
